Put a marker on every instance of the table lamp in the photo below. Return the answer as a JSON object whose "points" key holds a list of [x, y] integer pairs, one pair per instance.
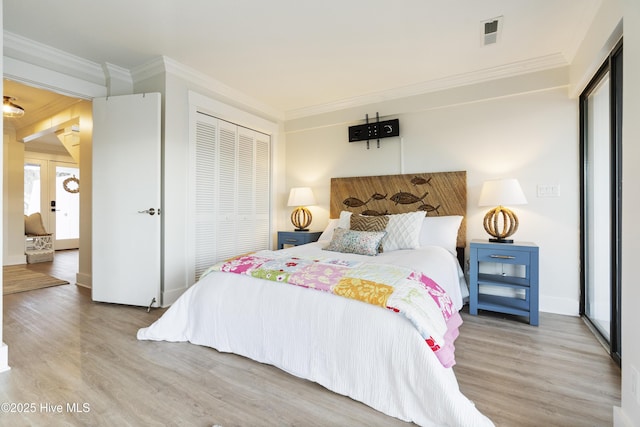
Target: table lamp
{"points": [[301, 197], [501, 192]]}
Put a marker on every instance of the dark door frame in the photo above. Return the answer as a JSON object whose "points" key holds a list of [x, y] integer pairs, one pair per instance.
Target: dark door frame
{"points": [[613, 66]]}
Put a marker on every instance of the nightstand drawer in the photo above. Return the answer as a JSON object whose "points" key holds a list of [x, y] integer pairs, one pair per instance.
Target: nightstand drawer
{"points": [[295, 238], [291, 239], [504, 257]]}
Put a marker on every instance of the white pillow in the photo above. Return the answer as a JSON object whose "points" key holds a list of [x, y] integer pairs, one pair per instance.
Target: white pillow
{"points": [[345, 220], [403, 231], [440, 231], [327, 234]]}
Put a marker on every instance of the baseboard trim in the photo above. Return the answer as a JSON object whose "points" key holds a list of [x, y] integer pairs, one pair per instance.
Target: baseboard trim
{"points": [[620, 419], [169, 297], [83, 280], [15, 260], [4, 358], [565, 306]]}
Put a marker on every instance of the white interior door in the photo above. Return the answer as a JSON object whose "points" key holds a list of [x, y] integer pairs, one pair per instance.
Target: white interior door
{"points": [[64, 204], [126, 200]]}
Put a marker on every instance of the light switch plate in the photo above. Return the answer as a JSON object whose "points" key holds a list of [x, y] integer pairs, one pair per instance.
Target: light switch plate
{"points": [[548, 190]]}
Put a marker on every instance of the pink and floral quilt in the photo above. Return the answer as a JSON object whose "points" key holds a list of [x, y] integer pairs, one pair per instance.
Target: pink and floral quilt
{"points": [[402, 290]]}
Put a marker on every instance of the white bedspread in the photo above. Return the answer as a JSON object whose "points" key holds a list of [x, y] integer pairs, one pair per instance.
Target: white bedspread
{"points": [[352, 348]]}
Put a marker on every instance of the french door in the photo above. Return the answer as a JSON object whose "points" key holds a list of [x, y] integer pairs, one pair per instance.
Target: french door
{"points": [[52, 188], [35, 188], [64, 204], [601, 201]]}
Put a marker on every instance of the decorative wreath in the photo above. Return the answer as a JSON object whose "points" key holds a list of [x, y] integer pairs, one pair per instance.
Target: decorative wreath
{"points": [[75, 187]]}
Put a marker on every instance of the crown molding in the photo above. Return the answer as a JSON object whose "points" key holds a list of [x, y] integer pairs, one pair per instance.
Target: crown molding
{"points": [[149, 69], [118, 78], [116, 71], [165, 64], [46, 78], [30, 51], [480, 76]]}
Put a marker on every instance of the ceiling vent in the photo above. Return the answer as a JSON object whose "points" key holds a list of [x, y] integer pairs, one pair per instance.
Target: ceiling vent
{"points": [[491, 30]]}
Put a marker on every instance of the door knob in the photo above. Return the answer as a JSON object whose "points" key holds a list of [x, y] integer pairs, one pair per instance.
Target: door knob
{"points": [[150, 211]]}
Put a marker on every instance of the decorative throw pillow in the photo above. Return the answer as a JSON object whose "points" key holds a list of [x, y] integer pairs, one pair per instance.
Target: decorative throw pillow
{"points": [[441, 231], [355, 242], [33, 225], [370, 223], [403, 231]]}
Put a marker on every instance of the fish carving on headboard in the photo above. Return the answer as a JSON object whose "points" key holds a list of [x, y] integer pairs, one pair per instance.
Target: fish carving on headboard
{"points": [[392, 194], [420, 181], [354, 202], [404, 198], [429, 208]]}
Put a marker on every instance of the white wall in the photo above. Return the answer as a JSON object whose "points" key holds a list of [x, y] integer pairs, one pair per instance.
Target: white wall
{"points": [[13, 172], [4, 349], [630, 209], [602, 36], [490, 130]]}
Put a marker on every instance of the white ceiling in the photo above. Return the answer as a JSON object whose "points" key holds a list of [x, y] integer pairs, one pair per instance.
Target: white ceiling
{"points": [[296, 54]]}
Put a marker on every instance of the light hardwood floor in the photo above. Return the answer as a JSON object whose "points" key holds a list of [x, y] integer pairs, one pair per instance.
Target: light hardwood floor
{"points": [[66, 350]]}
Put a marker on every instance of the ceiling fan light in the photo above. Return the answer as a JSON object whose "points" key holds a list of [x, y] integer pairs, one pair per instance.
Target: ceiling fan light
{"points": [[9, 109]]}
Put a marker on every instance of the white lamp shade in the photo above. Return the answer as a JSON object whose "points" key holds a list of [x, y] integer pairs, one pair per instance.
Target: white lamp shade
{"points": [[502, 192], [301, 196]]}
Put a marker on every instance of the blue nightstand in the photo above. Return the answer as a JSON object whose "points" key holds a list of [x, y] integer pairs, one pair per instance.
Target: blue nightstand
{"points": [[525, 286], [296, 238]]}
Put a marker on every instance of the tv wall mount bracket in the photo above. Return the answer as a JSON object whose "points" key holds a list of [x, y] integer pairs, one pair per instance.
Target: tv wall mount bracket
{"points": [[376, 130]]}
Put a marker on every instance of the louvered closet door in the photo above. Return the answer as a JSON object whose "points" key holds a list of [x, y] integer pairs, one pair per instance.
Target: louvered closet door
{"points": [[262, 189], [232, 188], [226, 221], [206, 193], [246, 191], [253, 190]]}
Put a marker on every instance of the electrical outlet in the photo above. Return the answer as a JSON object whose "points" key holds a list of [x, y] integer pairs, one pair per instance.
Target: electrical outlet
{"points": [[635, 383]]}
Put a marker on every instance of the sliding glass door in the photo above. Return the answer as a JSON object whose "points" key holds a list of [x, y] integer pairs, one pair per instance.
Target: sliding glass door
{"points": [[597, 219], [601, 141]]}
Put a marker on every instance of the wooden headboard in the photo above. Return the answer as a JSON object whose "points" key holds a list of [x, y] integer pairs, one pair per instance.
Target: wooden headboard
{"points": [[438, 193]]}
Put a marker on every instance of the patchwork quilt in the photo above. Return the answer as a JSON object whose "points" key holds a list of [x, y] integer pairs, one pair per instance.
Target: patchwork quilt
{"points": [[402, 290]]}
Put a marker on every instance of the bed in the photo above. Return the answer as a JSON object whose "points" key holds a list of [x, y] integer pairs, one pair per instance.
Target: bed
{"points": [[313, 312]]}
